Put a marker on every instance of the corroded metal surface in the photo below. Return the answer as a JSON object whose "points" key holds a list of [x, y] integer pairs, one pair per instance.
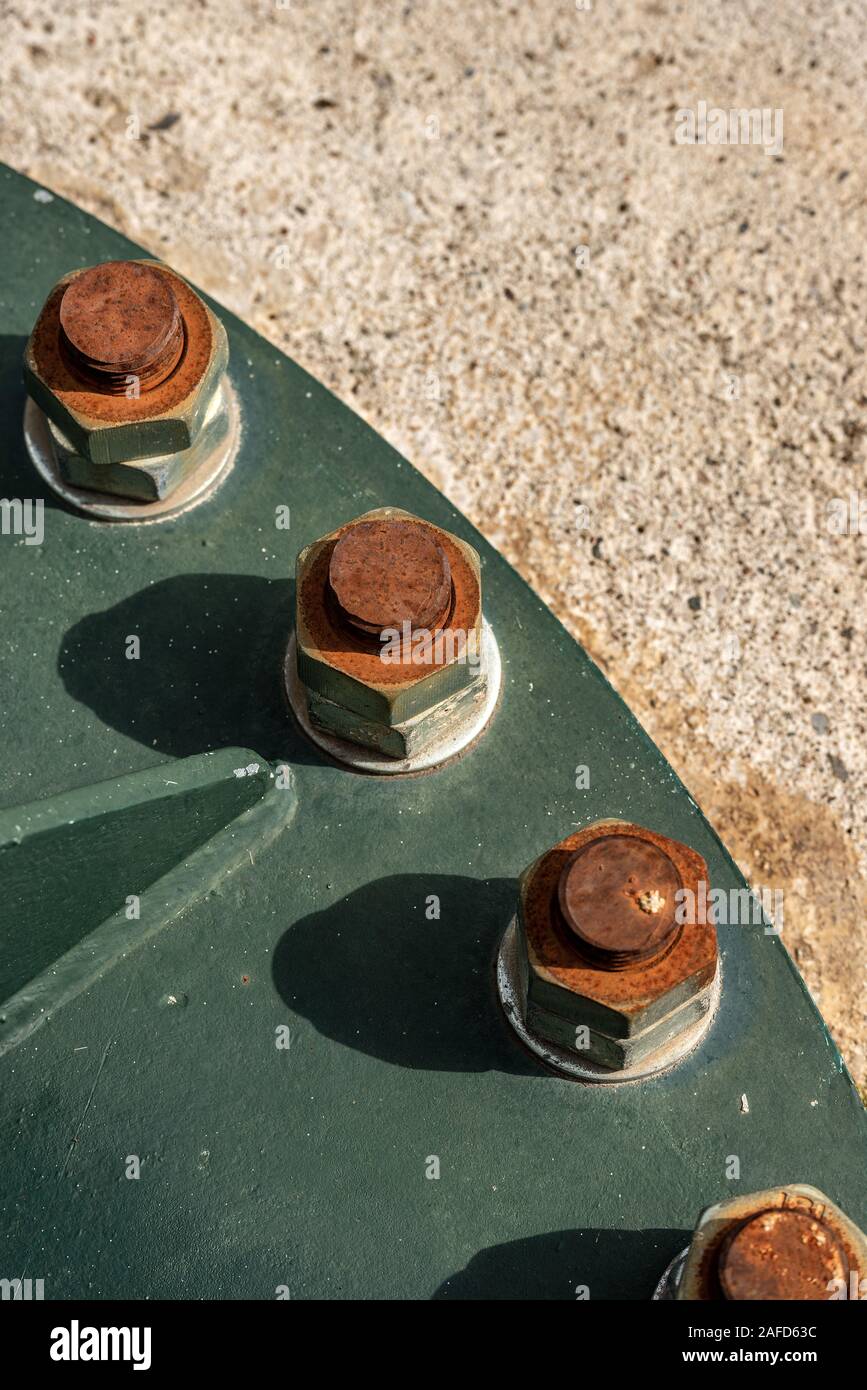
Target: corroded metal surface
{"points": [[607, 968], [121, 319], [46, 359], [781, 1255], [386, 1005], [383, 574], [788, 1242], [327, 640], [390, 575], [629, 998], [153, 479], [456, 724], [617, 895]]}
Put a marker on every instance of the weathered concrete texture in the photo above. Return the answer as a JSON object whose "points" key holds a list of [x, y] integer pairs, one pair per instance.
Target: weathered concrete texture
{"points": [[395, 196]]}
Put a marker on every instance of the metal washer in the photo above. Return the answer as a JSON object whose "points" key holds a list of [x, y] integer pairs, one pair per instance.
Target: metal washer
{"points": [[566, 1062], [666, 1289], [363, 759], [194, 490]]}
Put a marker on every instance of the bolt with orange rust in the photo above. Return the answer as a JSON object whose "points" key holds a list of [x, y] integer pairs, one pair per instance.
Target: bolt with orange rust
{"points": [[118, 321], [390, 638], [128, 365], [607, 979], [786, 1243], [383, 574], [617, 895]]}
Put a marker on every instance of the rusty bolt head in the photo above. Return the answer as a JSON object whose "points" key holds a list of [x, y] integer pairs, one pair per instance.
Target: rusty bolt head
{"points": [[789, 1242], [617, 895], [780, 1255], [385, 573], [125, 360], [604, 955], [388, 572], [121, 319]]}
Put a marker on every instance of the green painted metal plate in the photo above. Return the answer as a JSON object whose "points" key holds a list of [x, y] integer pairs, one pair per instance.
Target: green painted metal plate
{"points": [[305, 1166]]}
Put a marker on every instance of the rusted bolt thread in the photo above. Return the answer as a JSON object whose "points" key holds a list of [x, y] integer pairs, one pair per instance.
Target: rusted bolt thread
{"points": [[121, 320], [383, 574], [781, 1254], [616, 896]]}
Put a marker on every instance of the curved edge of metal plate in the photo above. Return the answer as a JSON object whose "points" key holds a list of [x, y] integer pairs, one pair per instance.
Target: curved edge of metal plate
{"points": [[469, 532]]}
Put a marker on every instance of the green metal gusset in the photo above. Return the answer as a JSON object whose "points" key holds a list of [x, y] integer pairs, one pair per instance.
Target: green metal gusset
{"points": [[133, 855], [335, 1025]]}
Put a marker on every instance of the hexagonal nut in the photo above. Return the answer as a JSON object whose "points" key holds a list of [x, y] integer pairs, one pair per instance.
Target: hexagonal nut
{"points": [[392, 706], [145, 480], [625, 1016], [827, 1260], [114, 429]]}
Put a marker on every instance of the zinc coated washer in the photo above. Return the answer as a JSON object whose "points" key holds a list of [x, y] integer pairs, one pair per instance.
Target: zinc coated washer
{"points": [[666, 1289], [194, 490], [566, 1062], [442, 750]]}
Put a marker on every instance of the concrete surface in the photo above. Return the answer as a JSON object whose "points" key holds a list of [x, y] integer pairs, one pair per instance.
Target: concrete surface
{"points": [[651, 429]]}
